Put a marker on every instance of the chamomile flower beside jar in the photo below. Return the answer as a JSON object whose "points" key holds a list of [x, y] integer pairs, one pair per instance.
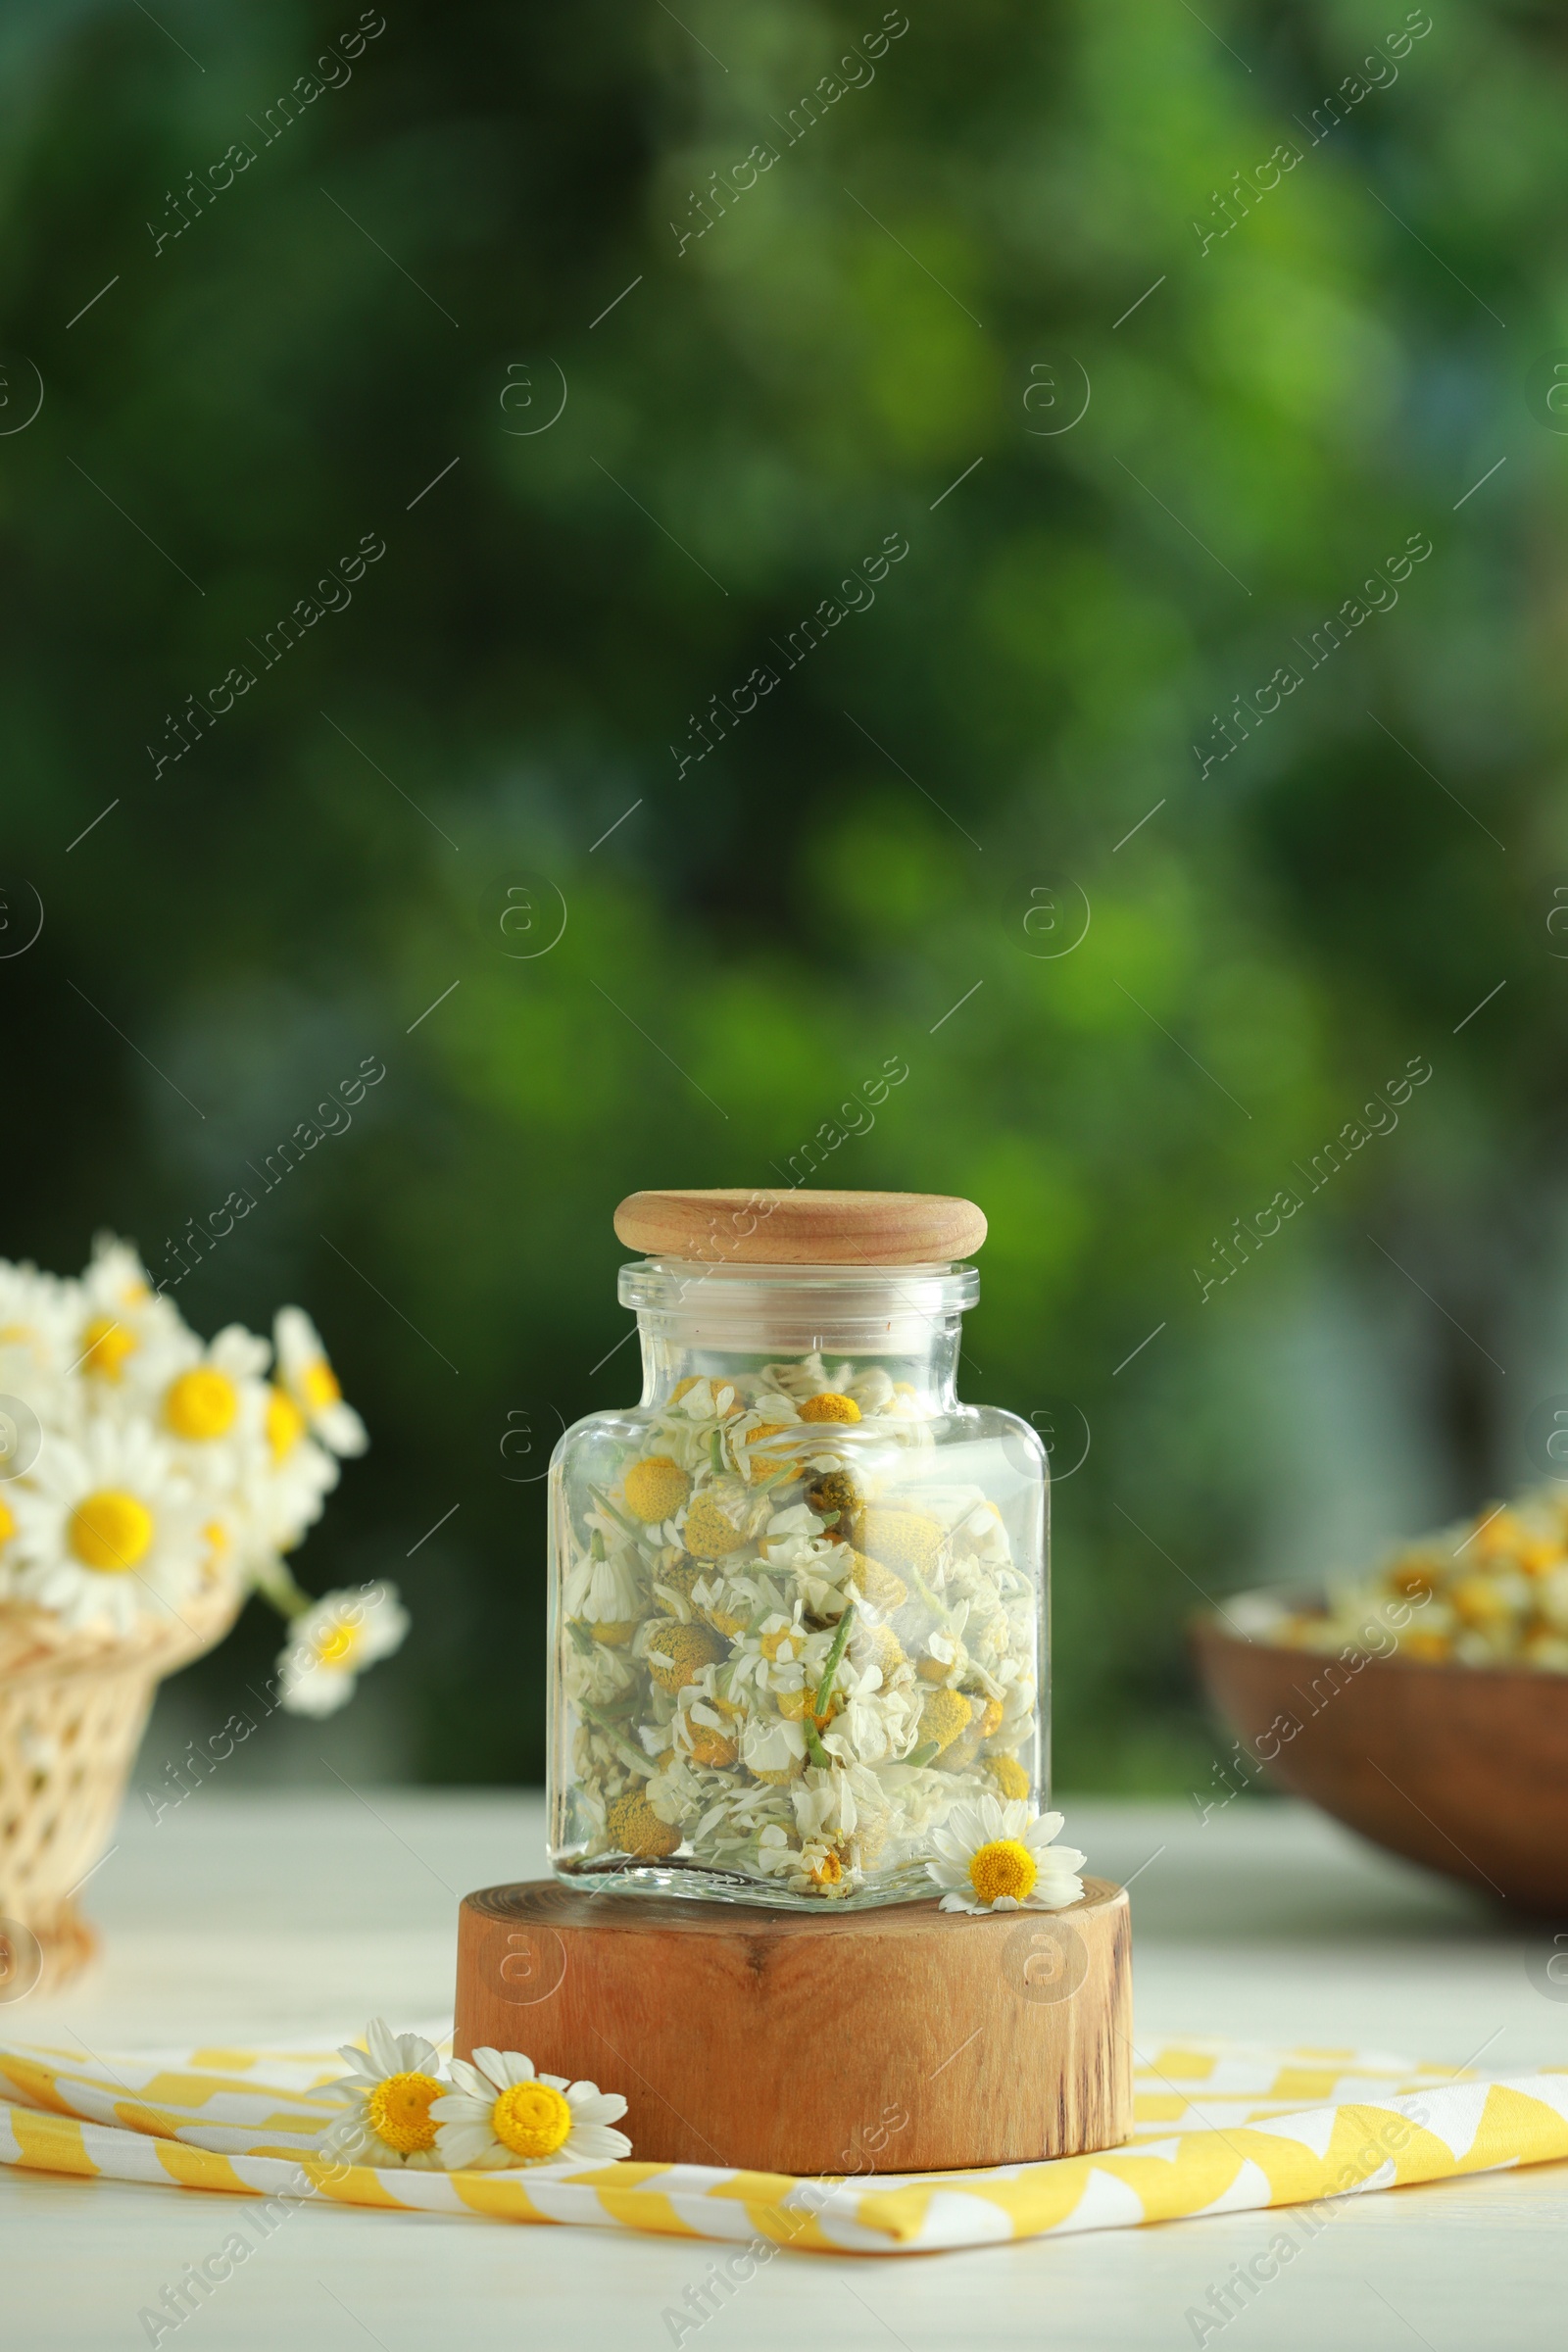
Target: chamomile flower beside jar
{"points": [[800, 1590]]}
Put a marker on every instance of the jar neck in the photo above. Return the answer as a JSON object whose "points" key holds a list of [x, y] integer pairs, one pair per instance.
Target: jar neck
{"points": [[901, 1323]]}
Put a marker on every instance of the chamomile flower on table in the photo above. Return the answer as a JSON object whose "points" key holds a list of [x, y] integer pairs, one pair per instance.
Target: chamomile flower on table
{"points": [[104, 1530], [501, 2114], [332, 1641], [305, 1375], [999, 1855], [393, 2084]]}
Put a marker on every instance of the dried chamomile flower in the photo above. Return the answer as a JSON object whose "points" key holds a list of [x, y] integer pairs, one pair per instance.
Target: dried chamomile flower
{"points": [[676, 1652], [634, 1826], [829, 1406], [655, 1489], [943, 1717], [710, 1533]]}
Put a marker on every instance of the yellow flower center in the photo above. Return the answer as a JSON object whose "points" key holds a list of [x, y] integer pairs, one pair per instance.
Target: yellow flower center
{"points": [[320, 1386], [1004, 1867], [201, 1405], [828, 1872], [708, 1746], [830, 1407], [398, 2111], [531, 2119], [336, 1647], [656, 1488], [286, 1424], [109, 1531], [107, 1346], [636, 1828], [710, 1536], [677, 1653], [8, 1524], [613, 1631]]}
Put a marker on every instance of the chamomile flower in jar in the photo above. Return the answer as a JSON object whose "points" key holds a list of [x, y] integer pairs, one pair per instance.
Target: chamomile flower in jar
{"points": [[799, 1589]]}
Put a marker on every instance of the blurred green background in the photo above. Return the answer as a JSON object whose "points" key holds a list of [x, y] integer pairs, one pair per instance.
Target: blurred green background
{"points": [[891, 328]]}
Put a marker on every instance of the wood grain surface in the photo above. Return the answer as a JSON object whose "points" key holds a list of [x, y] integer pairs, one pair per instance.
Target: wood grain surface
{"points": [[1464, 1768], [903, 2039], [817, 1228]]}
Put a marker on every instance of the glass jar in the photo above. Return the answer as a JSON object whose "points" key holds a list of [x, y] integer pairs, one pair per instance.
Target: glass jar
{"points": [[798, 1593]]}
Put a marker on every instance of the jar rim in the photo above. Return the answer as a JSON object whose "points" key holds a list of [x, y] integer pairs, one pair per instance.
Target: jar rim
{"points": [[730, 1293], [681, 1275]]}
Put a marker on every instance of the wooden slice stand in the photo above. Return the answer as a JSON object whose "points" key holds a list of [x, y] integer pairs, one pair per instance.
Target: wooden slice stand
{"points": [[905, 2039]]}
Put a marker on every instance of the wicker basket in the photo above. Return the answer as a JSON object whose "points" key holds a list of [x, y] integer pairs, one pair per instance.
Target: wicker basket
{"points": [[72, 1709]]}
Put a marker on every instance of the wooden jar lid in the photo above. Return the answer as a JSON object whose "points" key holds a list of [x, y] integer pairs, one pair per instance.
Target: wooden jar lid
{"points": [[759, 1227]]}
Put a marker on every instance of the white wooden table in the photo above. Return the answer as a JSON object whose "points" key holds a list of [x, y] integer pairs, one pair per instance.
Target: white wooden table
{"points": [[295, 1916]]}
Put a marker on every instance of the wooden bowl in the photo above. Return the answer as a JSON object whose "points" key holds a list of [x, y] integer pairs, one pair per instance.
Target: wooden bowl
{"points": [[1464, 1768]]}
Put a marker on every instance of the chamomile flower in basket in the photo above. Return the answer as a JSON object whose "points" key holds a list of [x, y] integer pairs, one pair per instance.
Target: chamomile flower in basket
{"points": [[149, 1482]]}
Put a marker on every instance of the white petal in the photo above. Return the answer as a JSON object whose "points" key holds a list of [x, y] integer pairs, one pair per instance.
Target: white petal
{"points": [[1060, 1897], [383, 2049], [469, 2079], [965, 1827], [590, 2105], [458, 2107], [956, 1902], [492, 2064], [460, 2145], [595, 2141]]}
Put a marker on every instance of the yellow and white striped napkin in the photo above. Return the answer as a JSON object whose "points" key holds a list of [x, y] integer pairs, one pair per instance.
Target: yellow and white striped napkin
{"points": [[1221, 2128]]}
